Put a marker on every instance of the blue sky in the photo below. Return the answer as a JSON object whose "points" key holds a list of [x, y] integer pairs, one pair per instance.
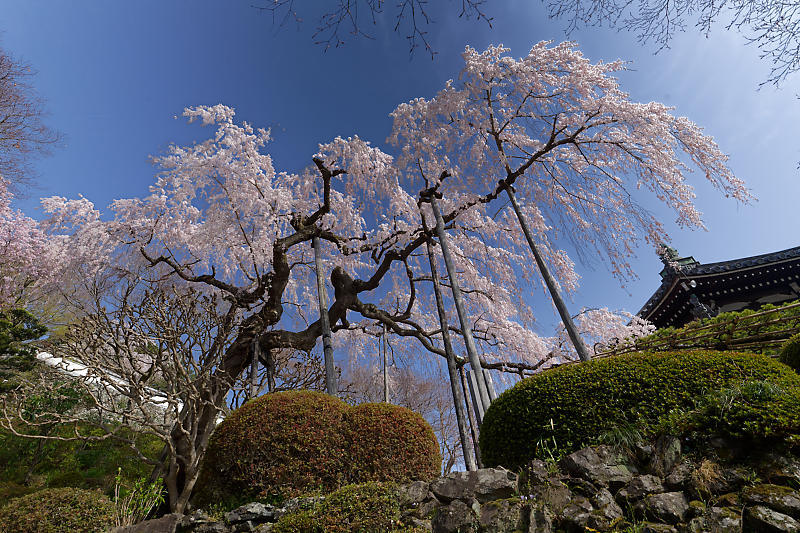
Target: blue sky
{"points": [[114, 74]]}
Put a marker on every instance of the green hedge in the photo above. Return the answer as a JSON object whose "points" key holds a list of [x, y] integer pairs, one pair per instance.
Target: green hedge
{"points": [[573, 404], [58, 511], [284, 444]]}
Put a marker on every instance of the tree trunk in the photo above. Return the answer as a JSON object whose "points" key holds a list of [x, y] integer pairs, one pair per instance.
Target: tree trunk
{"points": [[327, 345]]}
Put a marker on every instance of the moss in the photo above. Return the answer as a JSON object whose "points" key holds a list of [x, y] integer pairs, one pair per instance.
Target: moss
{"points": [[367, 507], [57, 511], [572, 404]]}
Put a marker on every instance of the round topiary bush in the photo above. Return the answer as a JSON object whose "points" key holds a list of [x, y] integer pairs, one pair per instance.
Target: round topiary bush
{"points": [[389, 442], [57, 511], [569, 406], [287, 443], [790, 353], [277, 445]]}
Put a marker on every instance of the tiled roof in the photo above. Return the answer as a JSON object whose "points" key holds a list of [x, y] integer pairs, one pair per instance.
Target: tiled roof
{"points": [[719, 268]]}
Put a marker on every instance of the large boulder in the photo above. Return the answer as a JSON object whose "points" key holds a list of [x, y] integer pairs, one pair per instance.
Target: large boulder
{"points": [[602, 465], [483, 485]]}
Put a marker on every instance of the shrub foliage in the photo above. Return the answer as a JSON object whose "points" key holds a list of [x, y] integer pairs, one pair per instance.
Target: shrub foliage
{"points": [[790, 353], [287, 443], [753, 410], [389, 442], [573, 404], [279, 444], [56, 511]]}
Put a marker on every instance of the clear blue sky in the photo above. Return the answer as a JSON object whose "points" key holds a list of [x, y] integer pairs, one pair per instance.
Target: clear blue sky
{"points": [[114, 74]]}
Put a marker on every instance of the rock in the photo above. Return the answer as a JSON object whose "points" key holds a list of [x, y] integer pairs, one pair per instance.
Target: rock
{"points": [[255, 512], [730, 499], [643, 452], [776, 497], [760, 519], [650, 527], [457, 517], [485, 485], [295, 504], [607, 513], [536, 472], [412, 493], [780, 470], [669, 507], [540, 519], [639, 487], [213, 527], [422, 524], [696, 508], [555, 496], [666, 452], [166, 524], [600, 465], [582, 487], [576, 515], [724, 520], [502, 516], [680, 477]]}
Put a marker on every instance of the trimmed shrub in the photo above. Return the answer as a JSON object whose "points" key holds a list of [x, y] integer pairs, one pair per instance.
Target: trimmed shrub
{"points": [[790, 353], [572, 404], [389, 442], [288, 443], [58, 510], [276, 446]]}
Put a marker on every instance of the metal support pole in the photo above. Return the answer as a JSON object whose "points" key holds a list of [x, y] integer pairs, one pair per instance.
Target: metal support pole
{"points": [[490, 384], [569, 325], [473, 424], [479, 410], [327, 345], [385, 367], [254, 369], [458, 399], [466, 329]]}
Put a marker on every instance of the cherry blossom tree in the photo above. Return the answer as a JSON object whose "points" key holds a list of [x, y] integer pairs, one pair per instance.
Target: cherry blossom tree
{"points": [[222, 221], [27, 256]]}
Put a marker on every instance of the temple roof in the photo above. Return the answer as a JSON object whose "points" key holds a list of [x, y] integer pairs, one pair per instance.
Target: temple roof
{"points": [[690, 269]]}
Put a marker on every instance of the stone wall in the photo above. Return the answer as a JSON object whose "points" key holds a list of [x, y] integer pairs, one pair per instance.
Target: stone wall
{"points": [[652, 489]]}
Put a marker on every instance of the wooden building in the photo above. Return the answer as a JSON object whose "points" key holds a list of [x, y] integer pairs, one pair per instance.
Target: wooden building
{"points": [[690, 289]]}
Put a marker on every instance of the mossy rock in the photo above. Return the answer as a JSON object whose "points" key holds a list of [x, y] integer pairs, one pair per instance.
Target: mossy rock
{"points": [[569, 406], [57, 511], [371, 507]]}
